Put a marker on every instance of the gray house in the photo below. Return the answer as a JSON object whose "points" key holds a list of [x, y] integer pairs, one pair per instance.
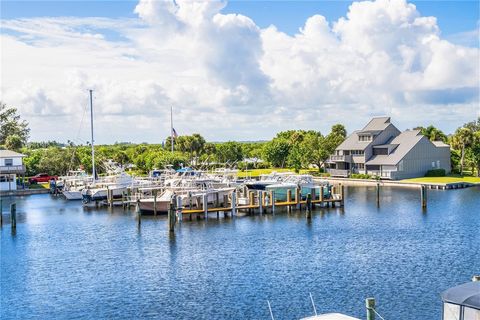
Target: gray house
{"points": [[380, 149]]}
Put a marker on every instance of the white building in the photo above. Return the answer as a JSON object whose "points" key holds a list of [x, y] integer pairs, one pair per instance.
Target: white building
{"points": [[11, 165]]}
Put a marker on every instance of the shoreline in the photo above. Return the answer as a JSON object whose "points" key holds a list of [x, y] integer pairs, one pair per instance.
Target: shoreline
{"points": [[389, 183]]}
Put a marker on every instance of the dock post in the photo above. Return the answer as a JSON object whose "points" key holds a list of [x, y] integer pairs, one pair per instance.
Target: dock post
{"points": [[1, 212], [273, 201], [298, 198], [171, 214], [155, 202], [289, 200], [260, 201], [321, 195], [179, 209], [314, 196], [234, 203], [342, 194], [205, 205], [370, 304], [378, 194], [423, 196], [13, 215], [139, 212], [309, 206], [109, 200]]}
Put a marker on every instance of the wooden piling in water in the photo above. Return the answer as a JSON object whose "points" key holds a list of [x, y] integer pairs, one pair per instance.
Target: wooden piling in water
{"points": [[171, 214], [205, 205], [234, 203], [321, 195], [155, 192], [298, 198], [1, 212], [273, 201], [139, 212], [179, 207], [378, 194], [13, 215], [289, 200], [309, 206], [260, 201], [423, 196], [370, 304], [342, 194]]}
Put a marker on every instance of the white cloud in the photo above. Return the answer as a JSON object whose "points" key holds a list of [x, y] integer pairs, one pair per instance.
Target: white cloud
{"points": [[228, 78]]}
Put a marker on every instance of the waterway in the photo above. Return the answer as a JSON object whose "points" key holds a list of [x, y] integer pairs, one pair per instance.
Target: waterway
{"points": [[66, 262]]}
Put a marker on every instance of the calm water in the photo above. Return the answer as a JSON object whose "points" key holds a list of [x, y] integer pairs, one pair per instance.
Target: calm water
{"points": [[65, 262]]}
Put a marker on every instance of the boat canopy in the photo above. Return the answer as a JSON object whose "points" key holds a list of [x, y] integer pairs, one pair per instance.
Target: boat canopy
{"points": [[185, 169], [467, 294]]}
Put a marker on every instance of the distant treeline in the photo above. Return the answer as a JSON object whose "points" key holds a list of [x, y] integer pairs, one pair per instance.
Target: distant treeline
{"points": [[295, 149]]}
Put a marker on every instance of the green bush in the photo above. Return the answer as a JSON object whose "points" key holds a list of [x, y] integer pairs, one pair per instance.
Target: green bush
{"points": [[360, 176], [435, 173]]}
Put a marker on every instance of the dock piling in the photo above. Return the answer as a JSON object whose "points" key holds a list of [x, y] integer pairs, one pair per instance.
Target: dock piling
{"points": [[378, 194], [13, 215], [234, 203], [370, 304], [155, 192], [179, 212], [309, 206], [1, 212], [342, 194], [205, 205], [171, 214], [260, 201], [423, 196], [139, 212], [298, 198], [289, 200]]}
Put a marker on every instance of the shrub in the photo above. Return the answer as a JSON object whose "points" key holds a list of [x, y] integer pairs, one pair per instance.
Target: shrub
{"points": [[435, 173], [360, 176]]}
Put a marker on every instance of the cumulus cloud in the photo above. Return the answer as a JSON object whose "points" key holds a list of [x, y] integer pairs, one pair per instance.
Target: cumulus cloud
{"points": [[227, 77]]}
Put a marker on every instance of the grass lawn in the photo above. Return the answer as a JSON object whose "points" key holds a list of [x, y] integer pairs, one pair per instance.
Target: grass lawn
{"points": [[258, 172], [39, 186], [447, 179]]}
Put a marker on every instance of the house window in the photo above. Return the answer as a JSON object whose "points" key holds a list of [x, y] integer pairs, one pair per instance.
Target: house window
{"points": [[433, 164], [365, 138], [378, 151], [9, 162], [438, 163], [361, 166]]}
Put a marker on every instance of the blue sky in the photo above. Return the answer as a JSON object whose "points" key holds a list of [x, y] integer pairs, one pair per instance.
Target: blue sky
{"points": [[233, 77], [453, 16]]}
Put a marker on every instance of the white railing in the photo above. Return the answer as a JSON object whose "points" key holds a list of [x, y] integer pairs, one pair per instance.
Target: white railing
{"points": [[338, 172], [343, 158], [12, 169]]}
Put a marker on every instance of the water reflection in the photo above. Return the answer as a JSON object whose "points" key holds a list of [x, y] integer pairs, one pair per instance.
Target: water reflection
{"points": [[70, 262]]}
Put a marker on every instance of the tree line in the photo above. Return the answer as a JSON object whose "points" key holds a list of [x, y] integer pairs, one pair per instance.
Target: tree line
{"points": [[296, 149]]}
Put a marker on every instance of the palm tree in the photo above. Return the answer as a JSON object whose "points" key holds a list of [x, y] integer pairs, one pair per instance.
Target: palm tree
{"points": [[462, 139]]}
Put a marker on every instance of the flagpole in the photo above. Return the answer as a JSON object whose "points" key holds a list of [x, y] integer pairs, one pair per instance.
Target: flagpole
{"points": [[171, 127]]}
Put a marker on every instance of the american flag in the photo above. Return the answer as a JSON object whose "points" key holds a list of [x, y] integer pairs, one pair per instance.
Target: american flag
{"points": [[174, 133]]}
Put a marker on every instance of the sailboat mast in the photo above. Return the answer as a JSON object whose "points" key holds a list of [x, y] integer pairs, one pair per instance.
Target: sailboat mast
{"points": [[92, 141], [171, 127]]}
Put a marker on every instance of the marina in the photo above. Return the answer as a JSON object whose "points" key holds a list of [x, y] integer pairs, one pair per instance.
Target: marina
{"points": [[111, 266]]}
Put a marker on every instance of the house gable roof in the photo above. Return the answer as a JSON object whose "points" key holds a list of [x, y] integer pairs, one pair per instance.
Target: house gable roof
{"points": [[405, 141], [10, 154]]}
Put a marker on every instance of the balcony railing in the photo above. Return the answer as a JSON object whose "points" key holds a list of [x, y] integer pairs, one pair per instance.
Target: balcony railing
{"points": [[12, 169], [338, 172], [341, 158], [383, 174]]}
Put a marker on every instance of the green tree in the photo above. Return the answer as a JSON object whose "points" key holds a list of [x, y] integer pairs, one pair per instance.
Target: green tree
{"points": [[276, 152], [462, 139], [13, 142], [11, 124], [230, 152], [432, 133]]}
